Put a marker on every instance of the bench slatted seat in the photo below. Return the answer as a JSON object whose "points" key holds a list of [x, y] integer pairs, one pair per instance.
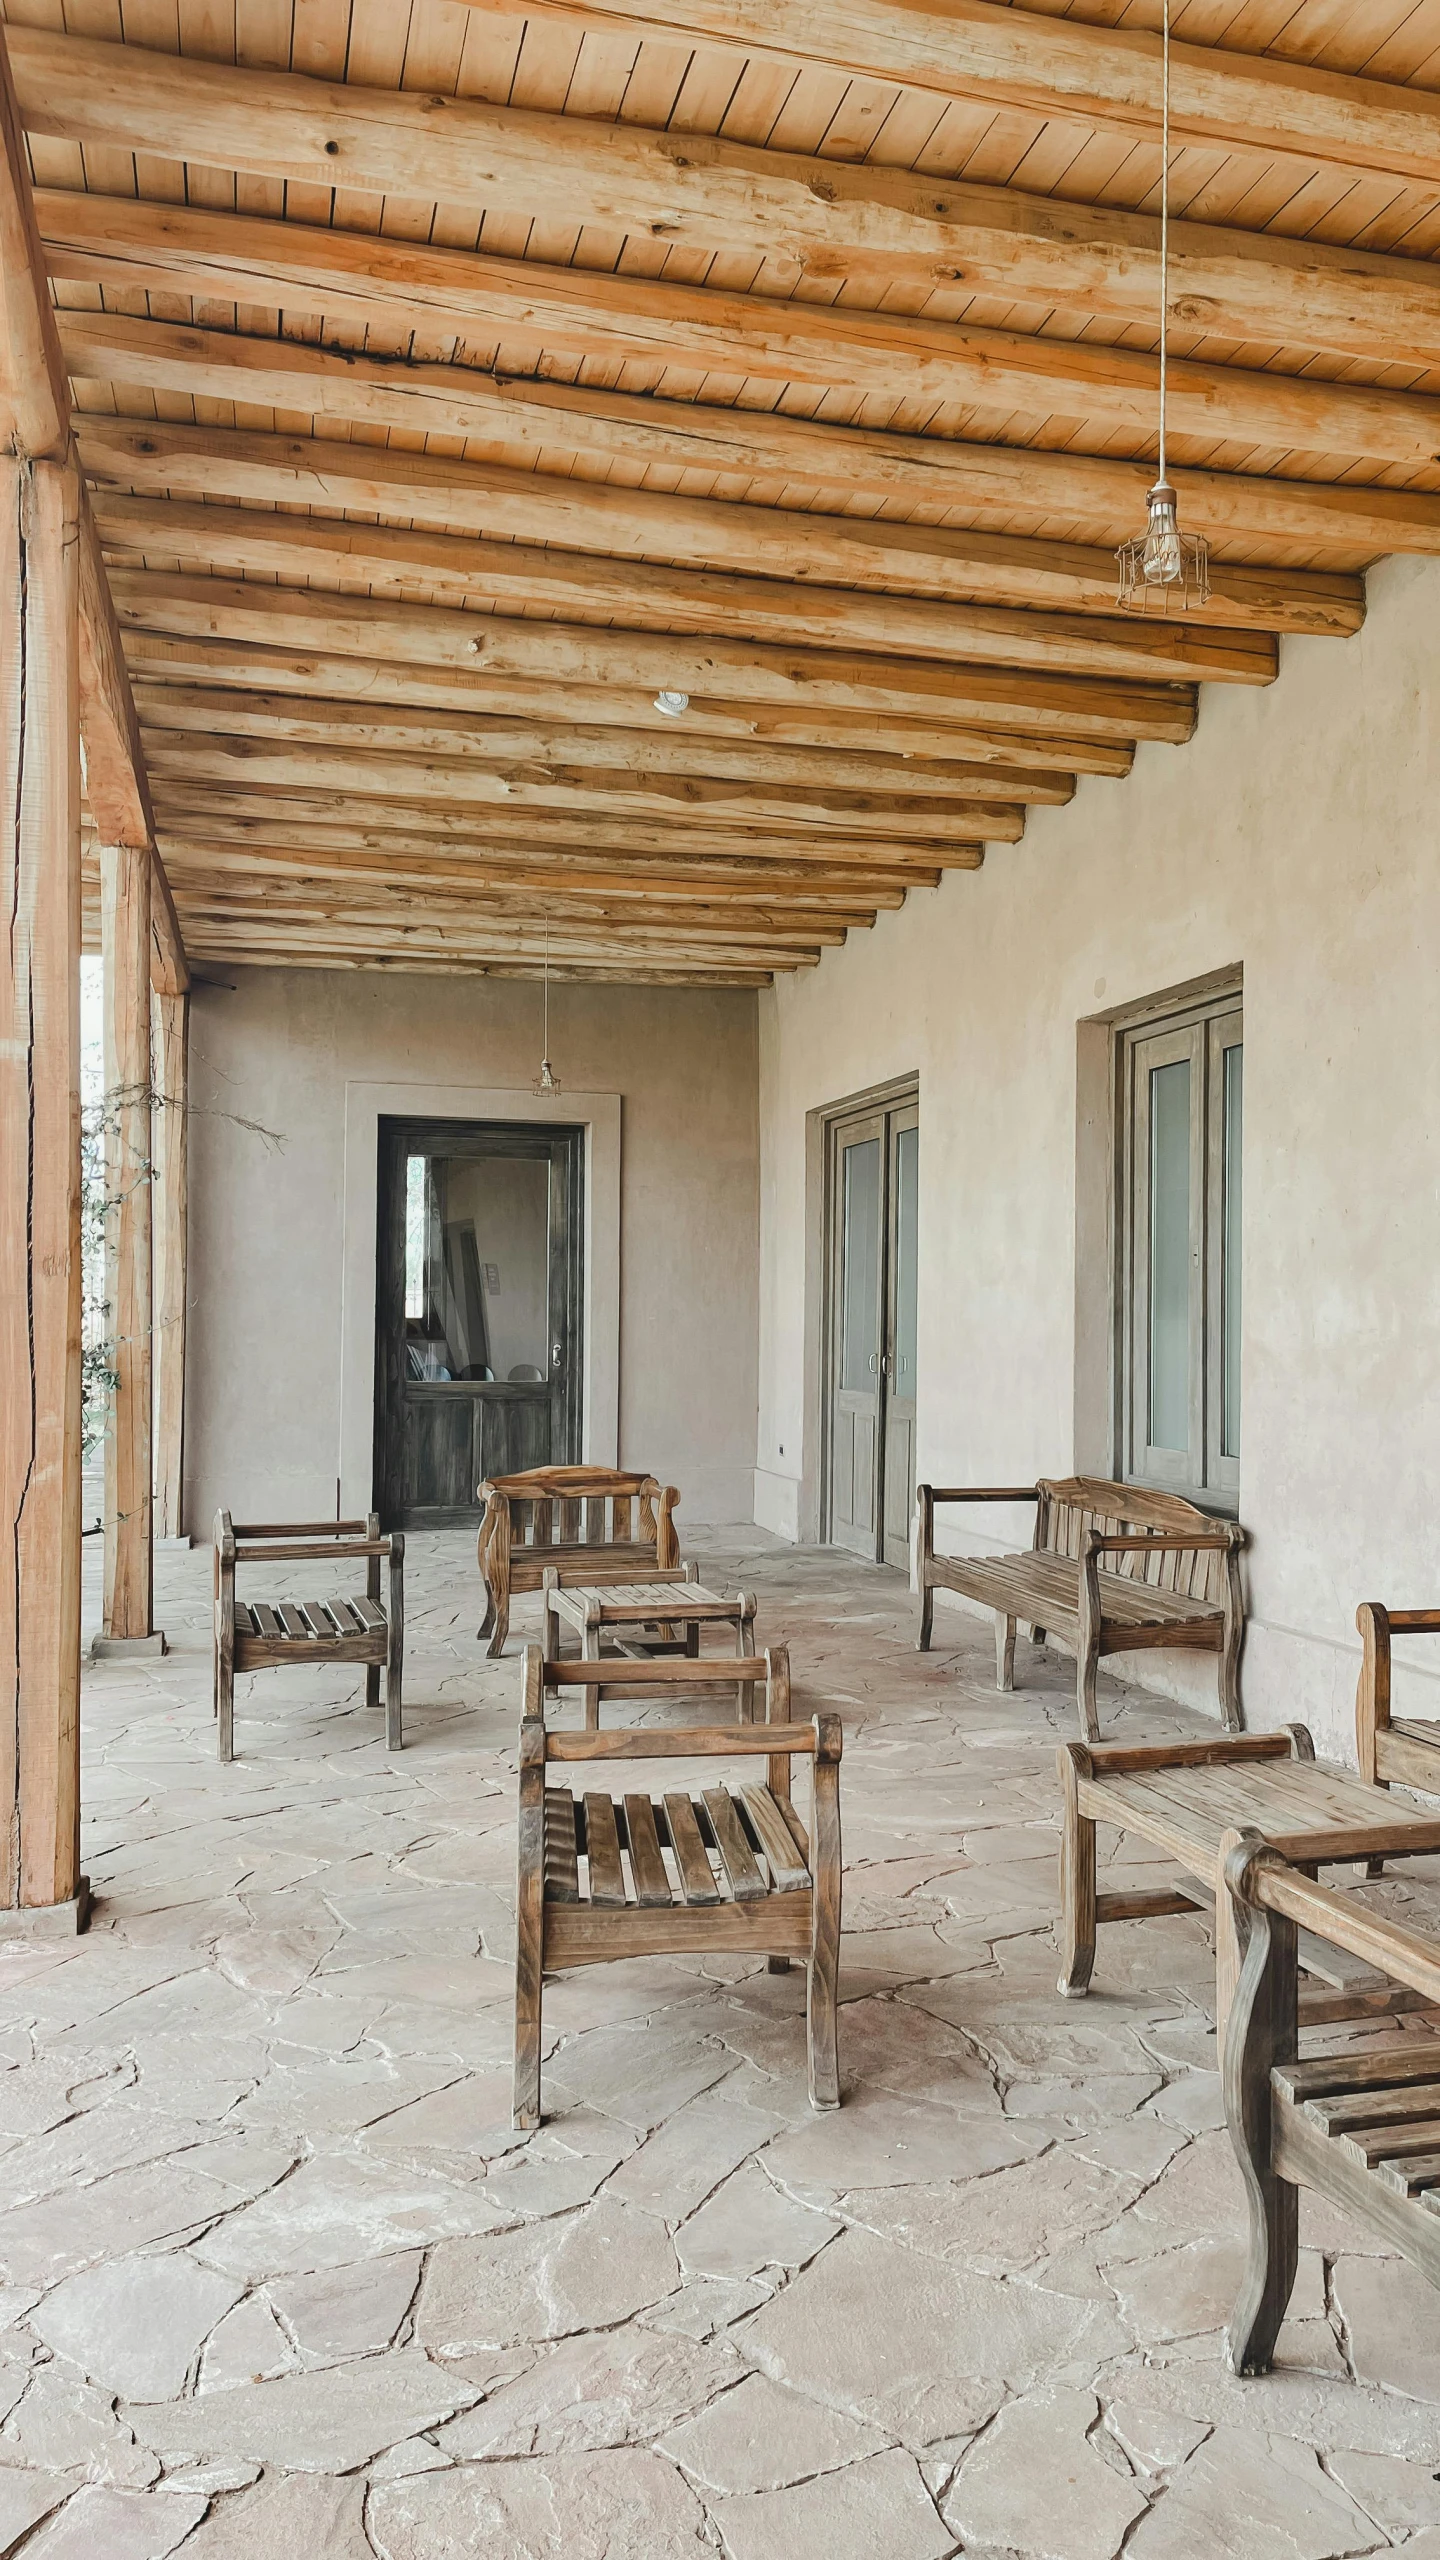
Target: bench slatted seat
{"points": [[1361, 2127], [587, 1524], [1112, 1569], [690, 1871], [258, 1635]]}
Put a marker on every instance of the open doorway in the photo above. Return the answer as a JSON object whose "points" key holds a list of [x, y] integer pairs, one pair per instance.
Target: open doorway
{"points": [[872, 1191], [478, 1311]]}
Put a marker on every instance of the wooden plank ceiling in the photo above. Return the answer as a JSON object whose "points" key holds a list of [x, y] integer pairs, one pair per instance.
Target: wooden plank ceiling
{"points": [[452, 378]]}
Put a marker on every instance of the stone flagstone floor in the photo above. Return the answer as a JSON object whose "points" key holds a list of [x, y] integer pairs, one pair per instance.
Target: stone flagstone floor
{"points": [[276, 2279]]}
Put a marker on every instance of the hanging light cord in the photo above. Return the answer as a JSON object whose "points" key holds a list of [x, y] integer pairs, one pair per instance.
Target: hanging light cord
{"points": [[1164, 214], [545, 1044]]}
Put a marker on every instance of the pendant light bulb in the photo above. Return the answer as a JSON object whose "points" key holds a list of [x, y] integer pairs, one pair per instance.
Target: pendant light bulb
{"points": [[671, 704], [547, 1080], [1161, 559]]}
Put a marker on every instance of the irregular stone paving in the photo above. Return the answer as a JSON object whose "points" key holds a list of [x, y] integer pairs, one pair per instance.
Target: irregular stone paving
{"points": [[278, 2282]]}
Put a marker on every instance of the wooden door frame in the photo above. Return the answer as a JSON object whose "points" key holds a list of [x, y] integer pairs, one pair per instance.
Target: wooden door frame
{"points": [[560, 1143], [897, 1093], [599, 1114]]}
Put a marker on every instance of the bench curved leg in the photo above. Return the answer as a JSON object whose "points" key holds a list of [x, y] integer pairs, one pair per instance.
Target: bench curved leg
{"points": [[499, 1614], [927, 1617], [1259, 2033], [1087, 1668], [1004, 1651]]}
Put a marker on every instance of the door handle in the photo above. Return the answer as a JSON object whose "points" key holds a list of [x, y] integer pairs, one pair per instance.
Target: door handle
{"points": [[885, 1365], [874, 1362], [557, 1353]]}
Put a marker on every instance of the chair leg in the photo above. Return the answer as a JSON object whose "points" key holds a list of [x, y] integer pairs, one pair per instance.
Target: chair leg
{"points": [[1077, 1883], [927, 1616], [498, 1616], [822, 1988], [1004, 1651], [372, 1684], [529, 1948], [225, 1704], [394, 1707]]}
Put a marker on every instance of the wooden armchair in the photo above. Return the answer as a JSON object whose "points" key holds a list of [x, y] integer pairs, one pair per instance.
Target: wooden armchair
{"points": [[591, 1524], [1407, 1753], [744, 1876], [1361, 2127], [255, 1635]]}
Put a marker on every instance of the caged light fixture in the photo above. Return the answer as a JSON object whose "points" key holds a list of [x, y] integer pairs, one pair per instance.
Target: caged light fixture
{"points": [[547, 1080], [1163, 569], [671, 703]]}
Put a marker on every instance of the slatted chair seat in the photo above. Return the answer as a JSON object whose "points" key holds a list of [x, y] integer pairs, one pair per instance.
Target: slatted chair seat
{"points": [[586, 1524], [259, 1635], [1112, 1570], [728, 1869], [1361, 2127]]}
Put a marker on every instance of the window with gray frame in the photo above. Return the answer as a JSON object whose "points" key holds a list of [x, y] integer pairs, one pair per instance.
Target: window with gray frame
{"points": [[1180, 1089]]}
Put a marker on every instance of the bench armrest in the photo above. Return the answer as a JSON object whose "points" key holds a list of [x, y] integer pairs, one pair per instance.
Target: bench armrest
{"points": [[1096, 1542], [1257, 1874], [980, 1492]]}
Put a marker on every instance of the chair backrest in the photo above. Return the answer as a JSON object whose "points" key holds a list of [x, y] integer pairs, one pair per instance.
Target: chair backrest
{"points": [[1069, 1505], [586, 1506], [674, 1675], [778, 1739]]}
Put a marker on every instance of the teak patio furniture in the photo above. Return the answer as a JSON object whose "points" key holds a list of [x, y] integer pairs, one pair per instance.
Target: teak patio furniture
{"points": [[256, 1635], [1361, 2127], [1184, 1797], [1407, 1753], [639, 1619], [593, 1524], [744, 1876], [1175, 1581]]}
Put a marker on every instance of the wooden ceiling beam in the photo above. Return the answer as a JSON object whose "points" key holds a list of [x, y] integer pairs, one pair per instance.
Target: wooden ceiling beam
{"points": [[285, 764], [208, 711], [562, 887], [490, 500], [378, 902], [514, 578], [533, 833], [1105, 390], [989, 55], [229, 950], [769, 675], [1057, 254], [333, 929], [694, 190], [375, 684]]}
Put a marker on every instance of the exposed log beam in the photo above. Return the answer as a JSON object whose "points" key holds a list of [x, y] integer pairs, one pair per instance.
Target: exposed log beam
{"points": [[615, 522], [1108, 390], [770, 677], [1055, 254], [283, 764], [498, 942], [226, 948], [528, 835], [271, 901], [696, 190], [996, 56], [626, 886], [210, 711], [116, 785], [376, 683], [515, 577], [34, 395]]}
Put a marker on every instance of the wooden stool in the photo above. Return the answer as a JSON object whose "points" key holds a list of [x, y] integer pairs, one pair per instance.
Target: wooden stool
{"points": [[640, 1619], [744, 1878], [257, 1635]]}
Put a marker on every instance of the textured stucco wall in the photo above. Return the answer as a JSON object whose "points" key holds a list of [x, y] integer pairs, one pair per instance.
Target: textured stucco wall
{"points": [[1295, 837], [266, 1223]]}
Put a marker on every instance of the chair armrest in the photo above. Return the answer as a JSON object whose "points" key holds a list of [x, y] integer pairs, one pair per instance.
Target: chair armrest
{"points": [[302, 1528], [326, 1550], [697, 1741], [982, 1492]]}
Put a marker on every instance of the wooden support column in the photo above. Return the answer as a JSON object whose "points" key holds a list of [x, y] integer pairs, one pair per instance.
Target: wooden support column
{"points": [[125, 946], [40, 1299], [171, 1038]]}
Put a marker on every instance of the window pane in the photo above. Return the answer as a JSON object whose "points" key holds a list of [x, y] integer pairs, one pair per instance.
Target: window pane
{"points": [[1170, 1256], [1234, 1114], [481, 1257], [907, 1235], [860, 1248]]}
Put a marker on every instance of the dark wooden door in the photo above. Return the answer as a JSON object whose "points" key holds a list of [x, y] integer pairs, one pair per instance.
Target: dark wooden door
{"points": [[479, 1292], [874, 1238]]}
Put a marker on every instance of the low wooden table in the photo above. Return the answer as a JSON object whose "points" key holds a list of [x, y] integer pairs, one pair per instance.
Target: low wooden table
{"points": [[1184, 1797], [639, 1619]]}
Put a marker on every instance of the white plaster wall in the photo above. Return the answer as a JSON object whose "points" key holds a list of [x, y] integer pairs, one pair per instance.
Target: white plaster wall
{"points": [[264, 1385], [1296, 837]]}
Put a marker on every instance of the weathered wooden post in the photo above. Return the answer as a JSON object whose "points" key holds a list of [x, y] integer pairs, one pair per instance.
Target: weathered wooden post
{"points": [[171, 1031], [125, 948]]}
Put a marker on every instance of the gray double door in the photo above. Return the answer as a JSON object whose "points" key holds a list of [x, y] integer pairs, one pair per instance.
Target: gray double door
{"points": [[874, 1233], [479, 1302]]}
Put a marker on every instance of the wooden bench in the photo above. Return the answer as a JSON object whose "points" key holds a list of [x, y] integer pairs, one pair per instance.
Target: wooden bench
{"points": [[258, 1635], [1361, 2127], [730, 1871], [592, 1524], [1175, 1581]]}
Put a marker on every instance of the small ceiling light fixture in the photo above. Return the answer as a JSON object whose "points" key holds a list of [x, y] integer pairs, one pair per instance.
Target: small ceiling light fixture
{"points": [[547, 1080], [1163, 569], [671, 704]]}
